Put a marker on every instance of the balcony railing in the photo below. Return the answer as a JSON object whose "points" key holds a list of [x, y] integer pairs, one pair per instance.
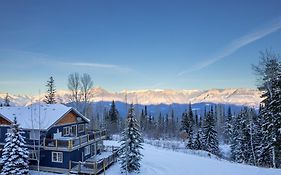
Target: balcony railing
{"points": [[72, 142]]}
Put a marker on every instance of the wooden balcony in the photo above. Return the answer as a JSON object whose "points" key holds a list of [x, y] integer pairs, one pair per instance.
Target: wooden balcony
{"points": [[95, 164], [69, 143]]}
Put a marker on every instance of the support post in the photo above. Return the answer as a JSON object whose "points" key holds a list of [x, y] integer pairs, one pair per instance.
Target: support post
{"points": [[79, 167], [69, 166], [95, 168], [104, 166]]}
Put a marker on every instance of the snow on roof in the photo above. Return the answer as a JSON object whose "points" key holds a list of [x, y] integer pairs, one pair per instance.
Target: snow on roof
{"points": [[43, 115]]}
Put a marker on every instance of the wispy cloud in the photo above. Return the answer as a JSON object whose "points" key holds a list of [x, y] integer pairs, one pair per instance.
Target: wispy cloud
{"points": [[35, 58], [235, 45], [98, 65], [95, 65]]}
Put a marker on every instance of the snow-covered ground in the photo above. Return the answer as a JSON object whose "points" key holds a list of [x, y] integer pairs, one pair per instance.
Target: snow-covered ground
{"points": [[159, 161], [31, 172], [163, 161]]}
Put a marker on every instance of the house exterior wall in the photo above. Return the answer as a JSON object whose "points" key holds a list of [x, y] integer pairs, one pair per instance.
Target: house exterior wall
{"points": [[69, 120], [75, 155], [59, 128]]}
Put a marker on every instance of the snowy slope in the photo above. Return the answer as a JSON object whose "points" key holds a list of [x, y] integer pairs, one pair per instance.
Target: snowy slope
{"points": [[158, 161], [240, 96]]}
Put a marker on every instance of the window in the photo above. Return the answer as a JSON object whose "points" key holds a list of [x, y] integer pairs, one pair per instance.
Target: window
{"points": [[57, 157], [81, 128], [87, 150], [34, 135], [33, 154], [66, 131], [73, 130]]}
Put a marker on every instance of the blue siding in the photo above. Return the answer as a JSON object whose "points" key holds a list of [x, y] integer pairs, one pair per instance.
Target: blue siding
{"points": [[76, 155], [46, 155]]}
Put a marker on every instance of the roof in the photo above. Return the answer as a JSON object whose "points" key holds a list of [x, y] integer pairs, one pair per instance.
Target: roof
{"points": [[43, 115]]}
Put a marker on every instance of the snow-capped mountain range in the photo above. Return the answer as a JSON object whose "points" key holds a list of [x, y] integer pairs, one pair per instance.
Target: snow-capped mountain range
{"points": [[237, 96]]}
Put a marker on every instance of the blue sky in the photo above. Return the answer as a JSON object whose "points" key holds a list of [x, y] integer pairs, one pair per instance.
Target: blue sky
{"points": [[135, 44]]}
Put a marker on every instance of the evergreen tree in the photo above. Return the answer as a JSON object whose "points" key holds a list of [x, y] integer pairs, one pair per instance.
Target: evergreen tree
{"points": [[106, 119], [210, 140], [7, 100], [235, 144], [131, 144], [15, 154], [146, 118], [241, 147], [255, 136], [258, 137], [166, 125], [228, 128], [173, 124], [113, 115], [188, 126], [196, 121], [142, 121], [270, 77], [150, 125], [198, 142], [51, 91], [197, 145]]}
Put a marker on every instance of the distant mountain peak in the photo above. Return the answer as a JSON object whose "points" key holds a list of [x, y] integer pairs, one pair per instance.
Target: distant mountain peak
{"points": [[238, 96]]}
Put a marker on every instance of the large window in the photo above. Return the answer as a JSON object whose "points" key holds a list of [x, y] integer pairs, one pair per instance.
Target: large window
{"points": [[81, 128], [34, 135], [57, 157], [66, 131], [87, 150], [33, 154], [73, 130]]}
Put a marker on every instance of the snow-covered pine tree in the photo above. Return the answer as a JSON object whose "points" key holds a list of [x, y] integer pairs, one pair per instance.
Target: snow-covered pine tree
{"points": [[15, 154], [210, 138], [142, 121], [275, 109], [258, 136], [198, 145], [228, 128], [51, 91], [235, 144], [173, 124], [269, 72], [198, 142], [131, 144], [245, 137], [188, 126], [151, 127], [243, 147], [160, 126], [166, 125], [146, 118], [255, 137]]}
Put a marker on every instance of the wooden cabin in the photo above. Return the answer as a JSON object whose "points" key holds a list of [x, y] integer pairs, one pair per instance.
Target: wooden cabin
{"points": [[55, 134]]}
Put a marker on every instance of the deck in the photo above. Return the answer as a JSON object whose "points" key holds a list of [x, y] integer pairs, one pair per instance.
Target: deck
{"points": [[96, 164], [70, 143]]}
